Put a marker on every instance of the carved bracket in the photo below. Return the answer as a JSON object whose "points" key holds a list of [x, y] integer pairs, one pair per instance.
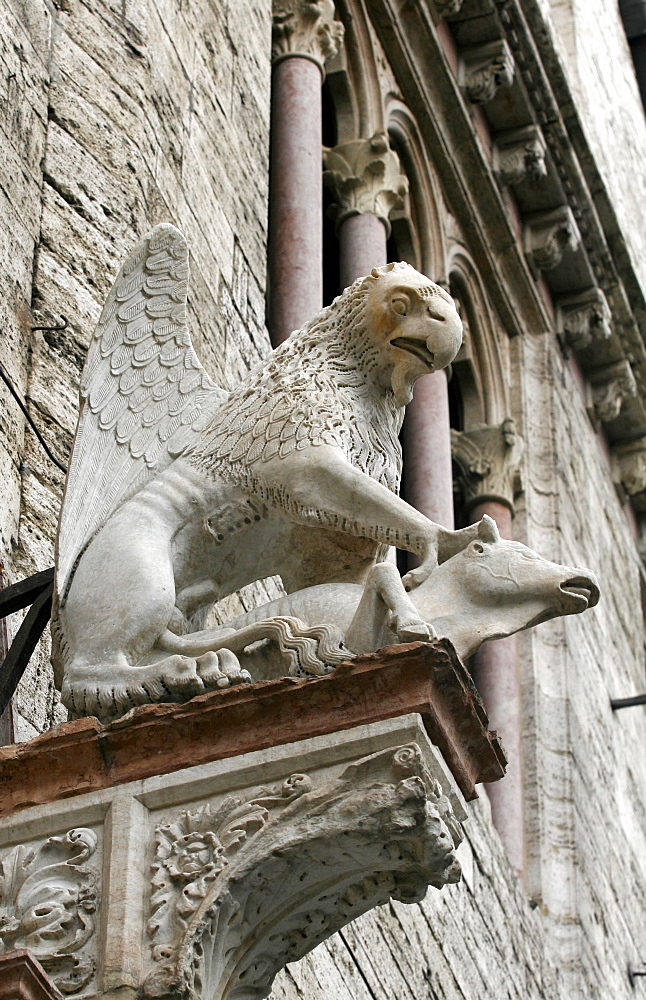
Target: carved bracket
{"points": [[220, 927], [305, 28], [583, 320], [47, 902], [629, 472], [610, 386], [365, 178], [488, 460], [547, 237], [447, 8], [519, 154], [485, 69]]}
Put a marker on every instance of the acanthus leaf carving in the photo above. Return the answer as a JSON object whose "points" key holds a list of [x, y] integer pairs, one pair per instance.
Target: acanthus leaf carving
{"points": [[305, 28], [488, 460], [519, 154], [48, 898], [485, 69], [583, 320], [610, 386], [548, 235], [364, 176], [383, 829]]}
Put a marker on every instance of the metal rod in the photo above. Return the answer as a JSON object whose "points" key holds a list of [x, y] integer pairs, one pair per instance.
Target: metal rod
{"points": [[23, 645], [25, 592], [7, 381], [617, 703], [61, 326], [633, 974]]}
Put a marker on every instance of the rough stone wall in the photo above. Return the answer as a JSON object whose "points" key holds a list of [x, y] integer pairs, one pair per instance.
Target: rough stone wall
{"points": [[120, 116]]}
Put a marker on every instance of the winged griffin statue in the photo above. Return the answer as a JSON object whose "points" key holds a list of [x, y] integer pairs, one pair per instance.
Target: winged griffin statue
{"points": [[180, 493]]}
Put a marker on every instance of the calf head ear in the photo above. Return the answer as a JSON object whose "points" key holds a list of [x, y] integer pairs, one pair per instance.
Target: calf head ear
{"points": [[488, 529]]}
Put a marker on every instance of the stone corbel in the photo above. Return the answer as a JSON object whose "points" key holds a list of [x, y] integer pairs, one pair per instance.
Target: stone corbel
{"points": [[610, 386], [242, 889], [305, 28], [583, 320], [629, 472], [485, 69], [488, 462], [447, 8], [365, 177], [519, 154], [548, 235]]}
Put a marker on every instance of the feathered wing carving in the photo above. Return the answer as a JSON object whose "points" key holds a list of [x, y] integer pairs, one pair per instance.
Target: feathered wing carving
{"points": [[144, 394]]}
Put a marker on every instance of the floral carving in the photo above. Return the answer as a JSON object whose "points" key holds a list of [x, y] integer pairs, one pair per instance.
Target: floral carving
{"points": [[488, 461], [48, 898], [610, 386], [305, 28], [485, 69], [365, 177], [547, 237], [584, 320], [520, 154]]}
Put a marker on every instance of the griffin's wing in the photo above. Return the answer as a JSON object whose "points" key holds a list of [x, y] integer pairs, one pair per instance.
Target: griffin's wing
{"points": [[144, 394]]}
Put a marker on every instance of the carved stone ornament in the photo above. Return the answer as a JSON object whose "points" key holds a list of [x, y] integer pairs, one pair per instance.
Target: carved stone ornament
{"points": [[48, 898], [583, 320], [447, 8], [241, 890], [547, 237], [305, 28], [485, 69], [488, 460], [610, 386], [629, 472], [364, 177], [519, 154]]}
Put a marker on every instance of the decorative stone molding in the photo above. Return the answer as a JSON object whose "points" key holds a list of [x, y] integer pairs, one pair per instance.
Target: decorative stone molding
{"points": [[48, 898], [519, 154], [485, 69], [629, 472], [305, 28], [547, 237], [583, 320], [219, 927], [365, 178], [488, 461], [23, 978], [610, 386]]}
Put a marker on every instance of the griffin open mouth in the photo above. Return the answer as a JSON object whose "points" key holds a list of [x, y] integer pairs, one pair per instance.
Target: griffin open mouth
{"points": [[417, 347]]}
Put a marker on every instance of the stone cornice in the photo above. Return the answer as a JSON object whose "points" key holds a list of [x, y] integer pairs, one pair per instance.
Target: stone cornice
{"points": [[365, 178], [305, 28]]}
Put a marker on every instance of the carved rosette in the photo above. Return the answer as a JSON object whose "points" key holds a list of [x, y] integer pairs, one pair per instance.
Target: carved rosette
{"points": [[610, 386], [488, 463], [519, 154], [583, 320], [365, 178], [485, 69], [548, 235], [241, 890], [48, 898], [305, 28]]}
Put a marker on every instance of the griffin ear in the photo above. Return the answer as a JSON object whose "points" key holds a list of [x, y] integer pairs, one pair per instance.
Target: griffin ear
{"points": [[488, 529]]}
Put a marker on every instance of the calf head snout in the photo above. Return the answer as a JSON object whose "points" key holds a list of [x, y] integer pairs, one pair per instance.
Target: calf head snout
{"points": [[578, 591]]}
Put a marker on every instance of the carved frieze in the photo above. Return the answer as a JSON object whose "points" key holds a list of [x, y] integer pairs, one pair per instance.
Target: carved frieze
{"points": [[365, 178], [583, 320], [519, 154], [48, 898], [485, 69], [488, 460], [305, 28], [548, 235], [610, 386], [242, 889]]}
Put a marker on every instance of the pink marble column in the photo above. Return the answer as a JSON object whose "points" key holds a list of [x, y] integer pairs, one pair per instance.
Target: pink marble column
{"points": [[428, 479], [295, 206], [495, 672], [362, 246]]}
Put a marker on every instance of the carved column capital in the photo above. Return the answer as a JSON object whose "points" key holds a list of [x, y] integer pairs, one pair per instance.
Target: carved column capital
{"points": [[365, 177], [305, 28], [610, 386], [488, 460], [583, 320], [547, 237], [629, 472], [484, 69], [519, 153]]}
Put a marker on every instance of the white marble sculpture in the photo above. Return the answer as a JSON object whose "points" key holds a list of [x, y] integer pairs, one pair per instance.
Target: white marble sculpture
{"points": [[179, 493]]}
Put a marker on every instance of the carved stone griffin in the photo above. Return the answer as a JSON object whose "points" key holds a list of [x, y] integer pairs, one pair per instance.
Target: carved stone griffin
{"points": [[179, 493]]}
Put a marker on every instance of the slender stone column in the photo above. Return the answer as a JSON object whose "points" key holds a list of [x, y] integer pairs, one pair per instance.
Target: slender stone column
{"points": [[366, 181], [305, 34], [488, 460], [428, 479]]}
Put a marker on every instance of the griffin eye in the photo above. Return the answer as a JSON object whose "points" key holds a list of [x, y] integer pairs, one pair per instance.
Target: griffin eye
{"points": [[400, 304]]}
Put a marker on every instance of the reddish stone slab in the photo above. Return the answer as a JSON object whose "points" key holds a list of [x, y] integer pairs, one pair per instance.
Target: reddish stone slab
{"points": [[426, 678], [23, 978]]}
